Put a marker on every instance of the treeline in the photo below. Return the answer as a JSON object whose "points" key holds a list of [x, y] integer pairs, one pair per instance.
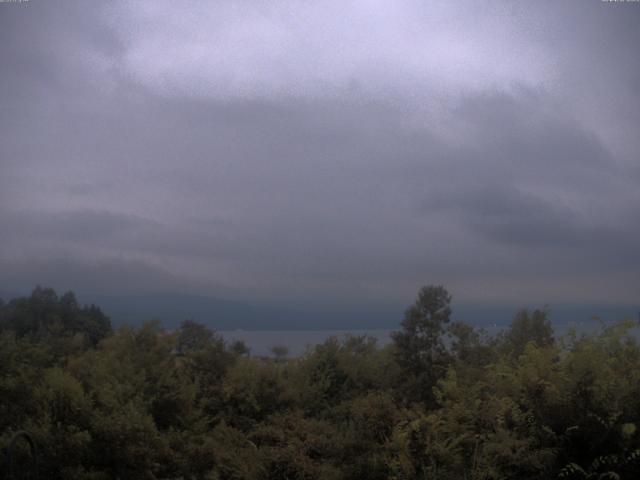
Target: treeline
{"points": [[442, 401]]}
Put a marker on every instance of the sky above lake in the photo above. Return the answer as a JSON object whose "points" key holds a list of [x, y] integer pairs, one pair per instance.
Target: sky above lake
{"points": [[334, 151]]}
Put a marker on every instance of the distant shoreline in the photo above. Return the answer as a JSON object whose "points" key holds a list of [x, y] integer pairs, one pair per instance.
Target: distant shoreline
{"points": [[260, 342]]}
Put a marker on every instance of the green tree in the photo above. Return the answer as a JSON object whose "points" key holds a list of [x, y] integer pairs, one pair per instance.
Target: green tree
{"points": [[528, 327], [194, 336], [419, 346], [280, 352]]}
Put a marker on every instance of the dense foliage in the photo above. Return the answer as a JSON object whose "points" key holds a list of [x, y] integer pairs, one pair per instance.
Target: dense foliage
{"points": [[443, 400]]}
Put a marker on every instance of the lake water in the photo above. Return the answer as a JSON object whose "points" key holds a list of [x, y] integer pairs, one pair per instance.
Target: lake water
{"points": [[297, 341]]}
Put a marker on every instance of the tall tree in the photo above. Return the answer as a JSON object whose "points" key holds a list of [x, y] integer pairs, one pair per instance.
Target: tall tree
{"points": [[419, 347], [528, 327]]}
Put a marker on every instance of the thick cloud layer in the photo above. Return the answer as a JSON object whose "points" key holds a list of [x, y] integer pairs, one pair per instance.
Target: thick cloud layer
{"points": [[338, 151]]}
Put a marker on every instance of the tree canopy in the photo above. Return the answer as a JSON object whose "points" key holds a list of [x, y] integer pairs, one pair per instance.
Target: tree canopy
{"points": [[443, 400]]}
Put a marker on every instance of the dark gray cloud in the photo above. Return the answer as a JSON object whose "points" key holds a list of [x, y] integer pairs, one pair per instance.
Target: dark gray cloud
{"points": [[107, 275], [349, 152]]}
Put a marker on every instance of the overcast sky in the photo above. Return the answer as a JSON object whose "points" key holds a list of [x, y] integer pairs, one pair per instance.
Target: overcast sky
{"points": [[351, 151]]}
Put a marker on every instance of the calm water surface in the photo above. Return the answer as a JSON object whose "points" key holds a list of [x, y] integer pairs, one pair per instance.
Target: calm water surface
{"points": [[297, 341]]}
